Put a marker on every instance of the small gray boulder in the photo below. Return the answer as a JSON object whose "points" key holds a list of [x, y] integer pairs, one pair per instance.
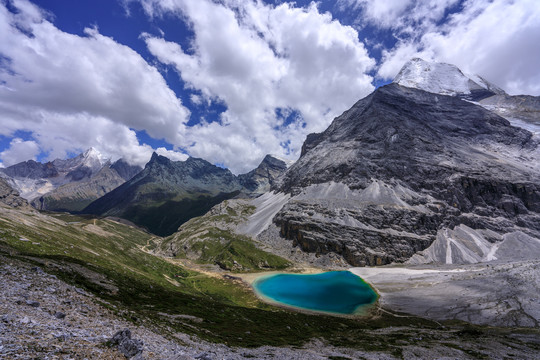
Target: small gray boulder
{"points": [[126, 345]]}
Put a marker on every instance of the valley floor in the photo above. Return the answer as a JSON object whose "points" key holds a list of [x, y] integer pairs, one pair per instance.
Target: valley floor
{"points": [[43, 317]]}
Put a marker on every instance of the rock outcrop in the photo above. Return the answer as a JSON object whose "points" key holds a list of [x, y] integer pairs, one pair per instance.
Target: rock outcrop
{"points": [[126, 345], [10, 196]]}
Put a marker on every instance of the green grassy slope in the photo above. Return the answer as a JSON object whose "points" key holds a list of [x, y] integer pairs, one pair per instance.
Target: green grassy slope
{"points": [[210, 239]]}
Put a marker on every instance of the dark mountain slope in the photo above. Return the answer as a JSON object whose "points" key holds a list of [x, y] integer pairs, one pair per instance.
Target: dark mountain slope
{"points": [[125, 170], [166, 194]]}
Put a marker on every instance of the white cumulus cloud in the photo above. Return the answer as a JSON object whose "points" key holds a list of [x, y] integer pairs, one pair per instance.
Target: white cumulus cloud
{"points": [[74, 91], [19, 150], [262, 61]]}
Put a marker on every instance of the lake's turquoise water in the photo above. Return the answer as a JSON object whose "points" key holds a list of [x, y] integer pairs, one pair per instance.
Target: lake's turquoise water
{"points": [[339, 292]]}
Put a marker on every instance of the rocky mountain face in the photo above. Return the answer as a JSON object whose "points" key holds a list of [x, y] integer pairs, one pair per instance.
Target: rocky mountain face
{"points": [[31, 169], [68, 185], [401, 168], [260, 180], [168, 193], [75, 196], [125, 170], [11, 197], [82, 166], [33, 179]]}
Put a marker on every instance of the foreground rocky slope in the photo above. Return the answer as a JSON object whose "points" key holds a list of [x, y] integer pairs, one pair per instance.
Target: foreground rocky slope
{"points": [[72, 322], [77, 281]]}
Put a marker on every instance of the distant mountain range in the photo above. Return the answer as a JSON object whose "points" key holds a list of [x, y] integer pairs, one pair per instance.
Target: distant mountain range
{"points": [[160, 198], [68, 185]]}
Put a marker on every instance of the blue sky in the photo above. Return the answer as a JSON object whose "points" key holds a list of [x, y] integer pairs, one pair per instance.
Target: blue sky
{"points": [[230, 80]]}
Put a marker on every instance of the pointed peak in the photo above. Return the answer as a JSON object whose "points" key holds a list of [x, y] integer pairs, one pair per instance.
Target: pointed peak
{"points": [[93, 153], [158, 159], [196, 160], [440, 78], [270, 158], [91, 150]]}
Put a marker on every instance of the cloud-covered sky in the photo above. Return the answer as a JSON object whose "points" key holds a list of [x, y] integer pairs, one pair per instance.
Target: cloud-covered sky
{"points": [[230, 80]]}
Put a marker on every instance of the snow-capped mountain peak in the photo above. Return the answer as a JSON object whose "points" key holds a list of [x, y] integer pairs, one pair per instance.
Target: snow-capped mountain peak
{"points": [[91, 159], [442, 78], [92, 155]]}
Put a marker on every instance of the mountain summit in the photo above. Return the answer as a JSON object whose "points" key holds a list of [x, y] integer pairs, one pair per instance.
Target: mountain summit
{"points": [[262, 178]]}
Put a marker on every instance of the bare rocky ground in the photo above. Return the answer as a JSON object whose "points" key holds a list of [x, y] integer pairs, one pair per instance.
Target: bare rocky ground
{"points": [[42, 317], [495, 293]]}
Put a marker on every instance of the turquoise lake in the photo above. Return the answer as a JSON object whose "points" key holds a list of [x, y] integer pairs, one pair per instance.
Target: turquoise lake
{"points": [[339, 292]]}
